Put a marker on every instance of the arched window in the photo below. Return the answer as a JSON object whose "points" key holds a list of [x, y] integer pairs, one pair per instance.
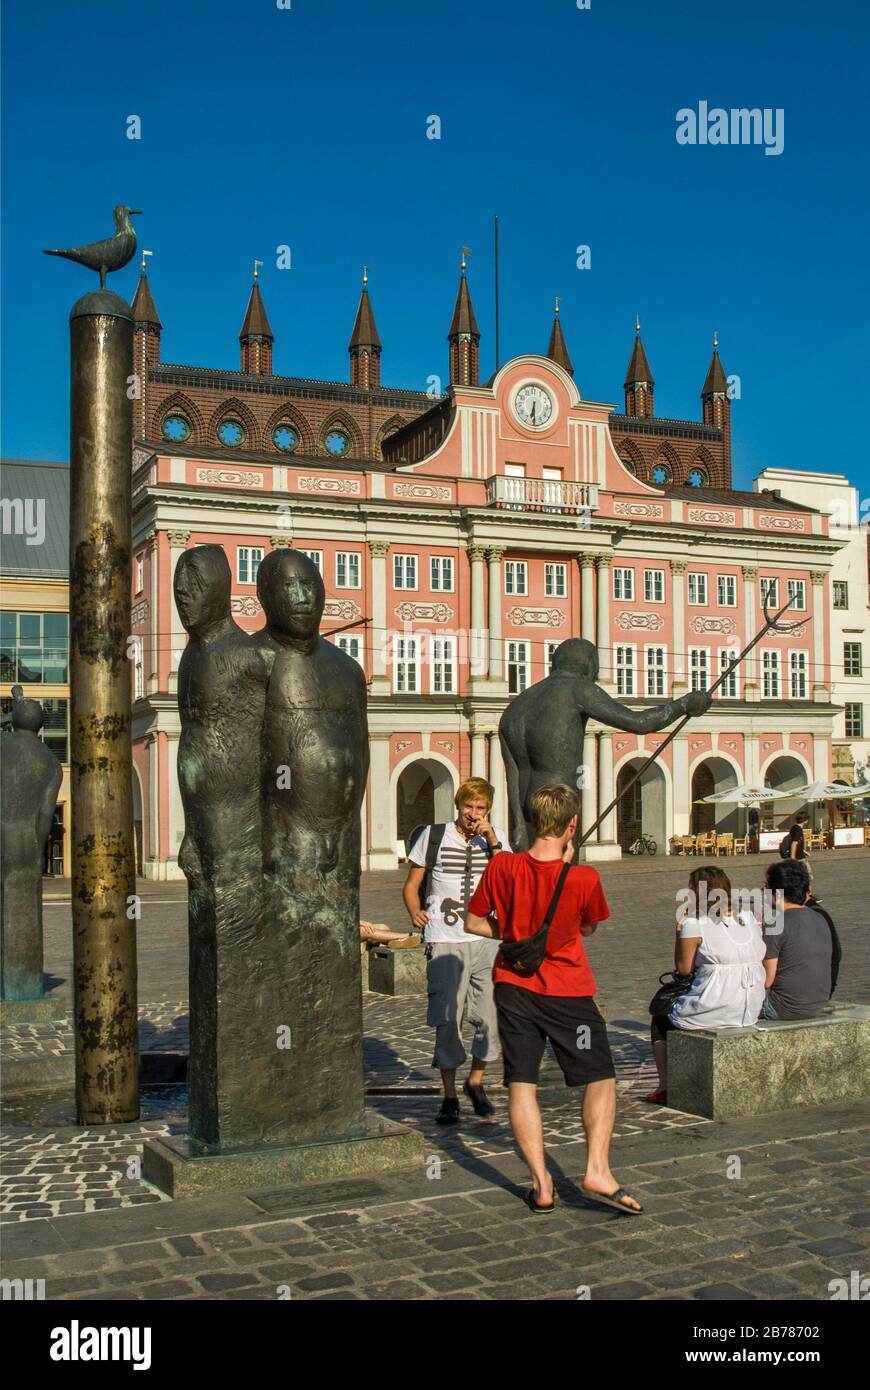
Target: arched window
{"points": [[661, 473], [698, 478], [338, 443], [285, 437]]}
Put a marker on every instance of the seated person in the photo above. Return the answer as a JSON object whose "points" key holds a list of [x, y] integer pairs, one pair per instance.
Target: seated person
{"points": [[723, 954], [379, 931], [798, 957]]}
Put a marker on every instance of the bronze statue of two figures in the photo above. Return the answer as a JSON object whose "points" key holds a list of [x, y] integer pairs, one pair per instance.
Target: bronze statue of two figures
{"points": [[272, 766]]}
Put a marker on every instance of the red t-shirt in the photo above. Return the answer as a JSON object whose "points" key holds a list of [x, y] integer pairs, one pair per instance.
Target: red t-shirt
{"points": [[518, 889]]}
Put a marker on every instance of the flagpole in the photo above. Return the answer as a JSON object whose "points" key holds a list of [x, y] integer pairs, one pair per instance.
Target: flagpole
{"points": [[769, 623]]}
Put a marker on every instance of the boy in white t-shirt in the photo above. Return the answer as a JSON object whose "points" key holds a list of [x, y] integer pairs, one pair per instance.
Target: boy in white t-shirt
{"points": [[459, 968]]}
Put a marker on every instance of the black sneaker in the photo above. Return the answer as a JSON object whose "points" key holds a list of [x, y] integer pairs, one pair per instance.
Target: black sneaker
{"points": [[483, 1106], [449, 1112]]}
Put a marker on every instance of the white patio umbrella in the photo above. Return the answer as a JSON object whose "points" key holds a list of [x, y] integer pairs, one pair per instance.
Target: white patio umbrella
{"points": [[831, 791], [746, 795]]}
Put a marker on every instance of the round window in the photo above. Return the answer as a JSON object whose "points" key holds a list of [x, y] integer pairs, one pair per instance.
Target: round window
{"points": [[698, 478], [337, 442], [230, 433], [285, 438], [175, 428], [661, 473]]}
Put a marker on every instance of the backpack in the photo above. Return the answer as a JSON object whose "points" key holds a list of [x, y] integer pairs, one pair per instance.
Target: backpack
{"points": [[785, 846], [436, 835], [836, 948]]}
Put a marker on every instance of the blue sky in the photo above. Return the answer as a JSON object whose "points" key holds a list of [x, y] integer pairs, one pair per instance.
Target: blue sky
{"points": [[306, 127]]}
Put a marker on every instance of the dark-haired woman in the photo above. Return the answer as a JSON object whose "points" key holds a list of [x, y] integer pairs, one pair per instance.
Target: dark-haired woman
{"points": [[723, 953]]}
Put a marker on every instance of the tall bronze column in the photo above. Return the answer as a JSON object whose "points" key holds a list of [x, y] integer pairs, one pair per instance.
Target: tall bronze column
{"points": [[103, 860]]}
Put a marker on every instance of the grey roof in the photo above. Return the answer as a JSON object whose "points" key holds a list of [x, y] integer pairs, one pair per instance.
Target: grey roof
{"points": [[35, 498]]}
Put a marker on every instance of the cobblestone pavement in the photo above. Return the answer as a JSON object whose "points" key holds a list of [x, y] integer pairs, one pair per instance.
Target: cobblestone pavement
{"points": [[795, 1218]]}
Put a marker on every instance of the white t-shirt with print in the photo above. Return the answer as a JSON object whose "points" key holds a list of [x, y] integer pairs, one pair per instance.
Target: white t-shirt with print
{"points": [[457, 872]]}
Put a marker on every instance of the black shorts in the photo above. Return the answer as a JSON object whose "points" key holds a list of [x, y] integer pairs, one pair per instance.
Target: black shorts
{"points": [[573, 1025]]}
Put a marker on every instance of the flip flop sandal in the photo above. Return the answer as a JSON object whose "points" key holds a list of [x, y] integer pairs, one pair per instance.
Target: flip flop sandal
{"points": [[611, 1199], [537, 1207]]}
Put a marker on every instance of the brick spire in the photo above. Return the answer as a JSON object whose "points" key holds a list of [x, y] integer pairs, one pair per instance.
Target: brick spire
{"points": [[639, 380], [464, 336], [256, 335], [558, 349], [146, 346], [716, 403], [365, 345]]}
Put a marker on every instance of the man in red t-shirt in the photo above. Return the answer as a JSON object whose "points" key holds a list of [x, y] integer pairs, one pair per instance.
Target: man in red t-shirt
{"points": [[555, 1003]]}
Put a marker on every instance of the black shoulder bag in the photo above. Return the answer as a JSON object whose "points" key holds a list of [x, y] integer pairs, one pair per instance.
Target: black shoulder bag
{"points": [[526, 956]]}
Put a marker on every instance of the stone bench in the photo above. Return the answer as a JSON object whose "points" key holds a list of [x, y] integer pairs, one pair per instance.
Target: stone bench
{"points": [[394, 970], [778, 1064]]}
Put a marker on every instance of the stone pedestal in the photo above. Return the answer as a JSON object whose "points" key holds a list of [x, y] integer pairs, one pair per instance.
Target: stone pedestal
{"points": [[599, 851], [775, 1065], [48, 1008], [171, 1166]]}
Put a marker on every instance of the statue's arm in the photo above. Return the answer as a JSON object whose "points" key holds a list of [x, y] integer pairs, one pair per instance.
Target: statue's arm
{"points": [[601, 706], [516, 819], [45, 814]]}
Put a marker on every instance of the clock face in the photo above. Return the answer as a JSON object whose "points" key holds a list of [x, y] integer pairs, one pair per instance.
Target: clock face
{"points": [[534, 406]]}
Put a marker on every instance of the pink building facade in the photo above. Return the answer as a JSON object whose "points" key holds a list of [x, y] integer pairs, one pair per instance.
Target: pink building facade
{"points": [[499, 523]]}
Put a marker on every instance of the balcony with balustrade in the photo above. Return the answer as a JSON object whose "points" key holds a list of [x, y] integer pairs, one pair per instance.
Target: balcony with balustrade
{"points": [[541, 495]]}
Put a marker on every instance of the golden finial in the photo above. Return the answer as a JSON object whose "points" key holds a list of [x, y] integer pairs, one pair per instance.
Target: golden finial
{"points": [[637, 324], [715, 340], [464, 262], [256, 271], [144, 254], [557, 304], [365, 276]]}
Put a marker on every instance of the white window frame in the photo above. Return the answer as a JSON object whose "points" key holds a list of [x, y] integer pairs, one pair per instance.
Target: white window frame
{"points": [[515, 571], [696, 589], [623, 584], [771, 671], [139, 671], [851, 675], [406, 664], [625, 666], [519, 662], [726, 584], [549, 649], [404, 570], [798, 674], [653, 580], [140, 572], [799, 587], [315, 556], [443, 663], [655, 671], [439, 566], [351, 644], [841, 587], [253, 559], [769, 585], [348, 557], [730, 687], [555, 573], [699, 668]]}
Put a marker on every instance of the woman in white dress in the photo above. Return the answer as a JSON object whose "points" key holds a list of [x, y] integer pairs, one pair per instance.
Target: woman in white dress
{"points": [[723, 953]]}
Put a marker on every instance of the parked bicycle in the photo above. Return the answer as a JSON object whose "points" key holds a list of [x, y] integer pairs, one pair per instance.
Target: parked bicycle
{"points": [[644, 844]]}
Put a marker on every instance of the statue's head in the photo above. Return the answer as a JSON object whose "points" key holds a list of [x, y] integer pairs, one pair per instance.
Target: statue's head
{"points": [[291, 591], [202, 587], [577, 657], [26, 714]]}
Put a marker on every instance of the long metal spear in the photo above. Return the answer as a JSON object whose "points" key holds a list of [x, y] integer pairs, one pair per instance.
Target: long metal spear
{"points": [[770, 624]]}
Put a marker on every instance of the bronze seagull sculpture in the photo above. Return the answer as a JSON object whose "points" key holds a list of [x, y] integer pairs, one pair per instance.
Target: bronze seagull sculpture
{"points": [[111, 254]]}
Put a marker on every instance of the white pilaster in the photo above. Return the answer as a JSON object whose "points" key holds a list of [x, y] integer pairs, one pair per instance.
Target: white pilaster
{"points": [[820, 684], [821, 771], [605, 675], [750, 663], [478, 753], [382, 852], [678, 579], [607, 829], [589, 792], [177, 637], [496, 662], [682, 790], [587, 596], [499, 782], [380, 684], [152, 676]]}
